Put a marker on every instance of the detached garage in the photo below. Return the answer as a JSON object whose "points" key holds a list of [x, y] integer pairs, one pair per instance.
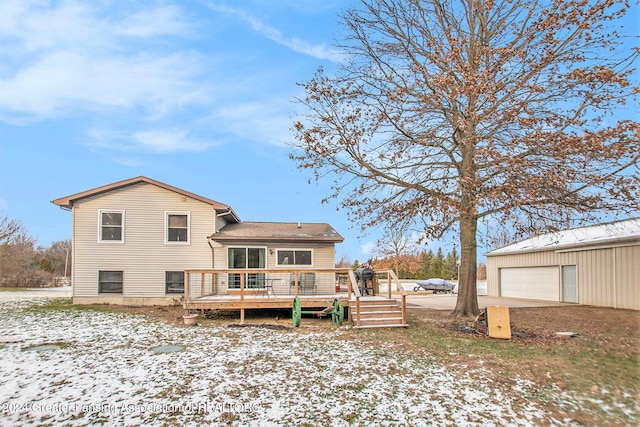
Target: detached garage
{"points": [[596, 265]]}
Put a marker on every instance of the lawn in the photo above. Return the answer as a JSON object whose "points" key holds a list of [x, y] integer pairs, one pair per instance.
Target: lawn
{"points": [[70, 365]]}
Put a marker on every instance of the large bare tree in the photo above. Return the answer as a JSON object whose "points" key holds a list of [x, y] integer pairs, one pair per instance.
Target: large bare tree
{"points": [[453, 112]]}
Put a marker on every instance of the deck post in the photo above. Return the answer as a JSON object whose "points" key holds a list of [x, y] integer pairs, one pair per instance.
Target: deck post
{"points": [[404, 309], [186, 289], [242, 316], [202, 284]]}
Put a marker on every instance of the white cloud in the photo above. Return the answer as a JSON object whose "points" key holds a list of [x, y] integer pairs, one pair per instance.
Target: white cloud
{"points": [[131, 162], [159, 141], [368, 248], [65, 83], [164, 20], [60, 59], [263, 122], [320, 51], [130, 76], [165, 141]]}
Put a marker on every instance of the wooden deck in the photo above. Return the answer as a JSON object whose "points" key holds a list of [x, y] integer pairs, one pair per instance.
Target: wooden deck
{"points": [[233, 302], [218, 289]]}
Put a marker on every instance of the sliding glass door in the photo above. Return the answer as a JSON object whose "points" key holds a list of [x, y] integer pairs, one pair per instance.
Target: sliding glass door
{"points": [[247, 258]]}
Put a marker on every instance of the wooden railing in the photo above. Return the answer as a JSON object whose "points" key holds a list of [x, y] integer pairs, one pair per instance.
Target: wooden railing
{"points": [[287, 281], [403, 293], [353, 286]]}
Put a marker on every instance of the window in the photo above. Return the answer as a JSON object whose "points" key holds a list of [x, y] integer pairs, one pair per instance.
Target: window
{"points": [[177, 227], [174, 282], [294, 257], [111, 226], [110, 282], [246, 258]]}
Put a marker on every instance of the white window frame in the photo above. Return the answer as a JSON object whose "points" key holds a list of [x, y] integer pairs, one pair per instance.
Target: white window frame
{"points": [[100, 239], [258, 270], [290, 265], [166, 228]]}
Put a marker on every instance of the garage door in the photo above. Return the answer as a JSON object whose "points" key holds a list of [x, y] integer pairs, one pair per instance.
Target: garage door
{"points": [[542, 283]]}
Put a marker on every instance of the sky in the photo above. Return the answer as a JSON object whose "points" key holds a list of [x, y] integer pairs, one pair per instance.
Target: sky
{"points": [[196, 94]]}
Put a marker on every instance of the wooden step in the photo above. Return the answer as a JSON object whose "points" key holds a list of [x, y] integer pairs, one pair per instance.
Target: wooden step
{"points": [[381, 320], [374, 308], [374, 301], [379, 313], [381, 326]]}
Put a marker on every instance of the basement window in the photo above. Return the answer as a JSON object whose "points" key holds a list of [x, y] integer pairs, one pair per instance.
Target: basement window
{"points": [[110, 282]]}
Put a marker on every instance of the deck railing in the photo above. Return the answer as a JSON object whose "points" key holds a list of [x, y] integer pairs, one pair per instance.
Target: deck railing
{"points": [[283, 284], [248, 283]]}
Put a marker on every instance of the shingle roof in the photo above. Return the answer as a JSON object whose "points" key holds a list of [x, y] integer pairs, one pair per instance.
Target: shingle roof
{"points": [[601, 234], [68, 201], [278, 231]]}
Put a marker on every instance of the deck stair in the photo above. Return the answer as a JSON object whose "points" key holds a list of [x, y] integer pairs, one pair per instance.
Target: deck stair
{"points": [[377, 312]]}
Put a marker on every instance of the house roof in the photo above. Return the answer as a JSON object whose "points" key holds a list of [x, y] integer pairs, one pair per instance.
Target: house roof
{"points": [[68, 201], [278, 231], [595, 235]]}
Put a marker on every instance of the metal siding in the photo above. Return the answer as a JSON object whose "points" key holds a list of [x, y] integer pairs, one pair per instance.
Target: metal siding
{"points": [[627, 275], [598, 271], [144, 257], [595, 277]]}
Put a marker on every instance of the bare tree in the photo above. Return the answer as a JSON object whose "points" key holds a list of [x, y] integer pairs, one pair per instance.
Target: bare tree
{"points": [[343, 262], [58, 257], [17, 255], [10, 229], [395, 242], [452, 111]]}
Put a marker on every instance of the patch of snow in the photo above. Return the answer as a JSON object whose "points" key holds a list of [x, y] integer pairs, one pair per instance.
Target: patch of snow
{"points": [[594, 234], [104, 371], [31, 293]]}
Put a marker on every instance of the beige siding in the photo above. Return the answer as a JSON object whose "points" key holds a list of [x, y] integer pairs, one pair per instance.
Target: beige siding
{"points": [[595, 277], [323, 253], [606, 276], [323, 257], [627, 270], [144, 256]]}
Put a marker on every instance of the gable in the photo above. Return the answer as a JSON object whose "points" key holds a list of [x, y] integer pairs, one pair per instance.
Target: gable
{"points": [[68, 202]]}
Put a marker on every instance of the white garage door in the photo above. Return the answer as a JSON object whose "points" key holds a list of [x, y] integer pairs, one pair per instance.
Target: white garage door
{"points": [[542, 283]]}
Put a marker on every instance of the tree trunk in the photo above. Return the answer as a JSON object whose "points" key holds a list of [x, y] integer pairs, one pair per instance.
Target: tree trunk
{"points": [[467, 303]]}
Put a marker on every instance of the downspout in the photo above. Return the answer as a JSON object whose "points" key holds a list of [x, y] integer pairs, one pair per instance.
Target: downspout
{"points": [[212, 252], [615, 278]]}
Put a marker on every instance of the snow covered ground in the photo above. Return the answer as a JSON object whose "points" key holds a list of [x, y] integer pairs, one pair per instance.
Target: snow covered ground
{"points": [[80, 367]]}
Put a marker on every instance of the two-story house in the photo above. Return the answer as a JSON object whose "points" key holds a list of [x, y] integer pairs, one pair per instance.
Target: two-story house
{"points": [[133, 240]]}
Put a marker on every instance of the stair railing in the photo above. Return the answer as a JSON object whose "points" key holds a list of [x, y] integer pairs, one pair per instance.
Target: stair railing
{"points": [[353, 284], [392, 278]]}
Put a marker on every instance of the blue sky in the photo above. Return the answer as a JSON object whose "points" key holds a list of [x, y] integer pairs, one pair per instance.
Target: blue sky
{"points": [[196, 94]]}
